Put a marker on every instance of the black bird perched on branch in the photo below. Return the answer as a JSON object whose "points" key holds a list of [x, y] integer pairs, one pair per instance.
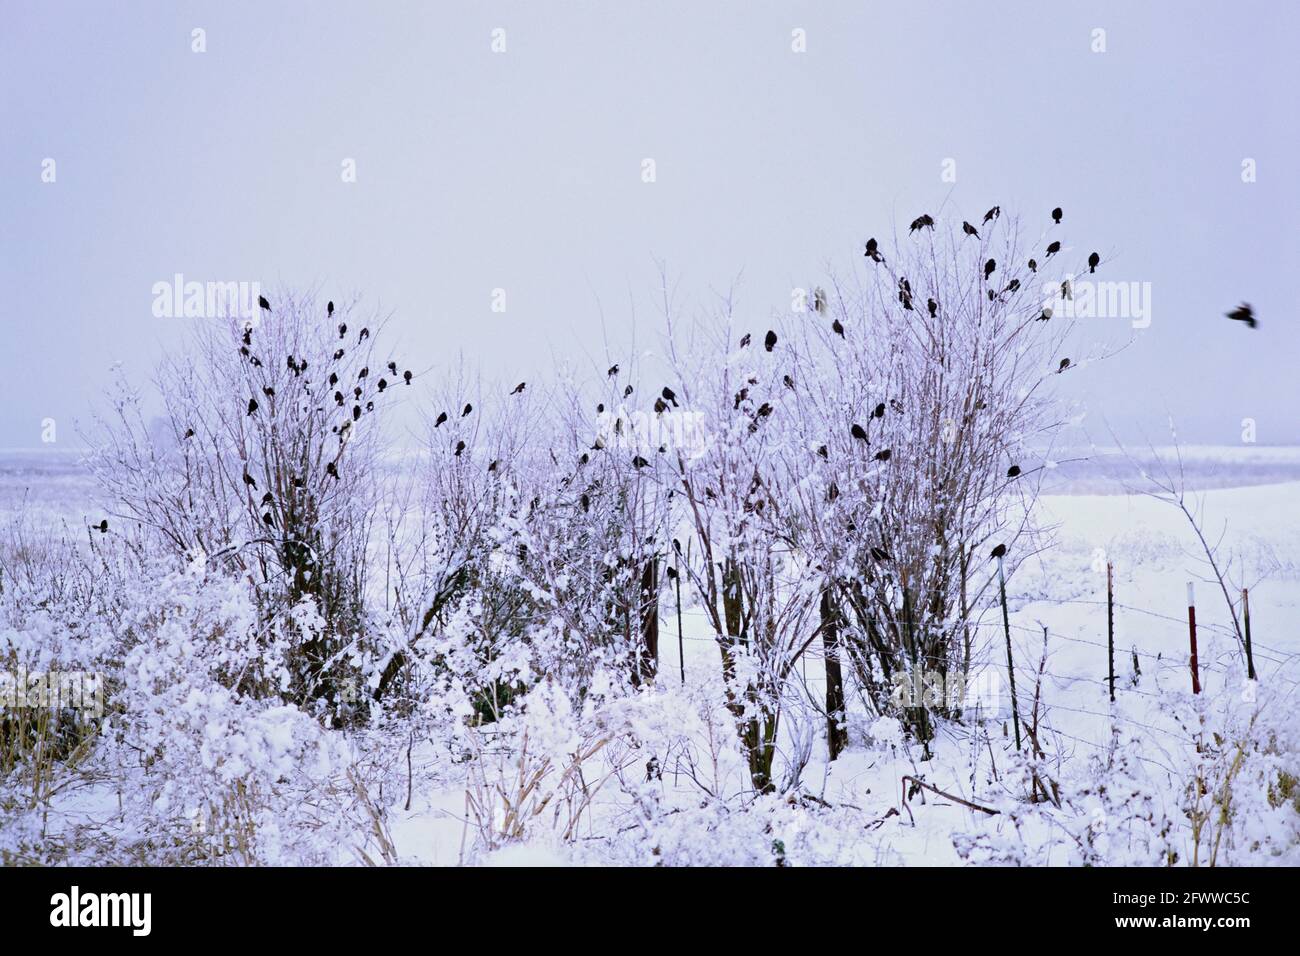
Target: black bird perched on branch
{"points": [[837, 328], [627, 391], [1013, 471], [497, 461], [365, 334], [466, 410], [669, 395], [365, 370], [252, 405], [338, 354], [613, 370], [392, 367], [519, 388], [267, 498], [922, 222], [1243, 313], [878, 411], [880, 554], [102, 527], [896, 405], [787, 381], [639, 462], [993, 213], [1047, 314], [883, 455], [268, 391], [250, 481], [822, 452], [1056, 215], [442, 417], [988, 269], [356, 392], [262, 303], [769, 340], [460, 447], [407, 376], [1065, 363], [189, 433], [1033, 266], [356, 413], [933, 307], [343, 330], [338, 398], [1053, 249], [329, 309], [858, 432], [745, 340], [331, 470], [873, 251], [382, 384], [1093, 261], [333, 379], [969, 229], [998, 552]]}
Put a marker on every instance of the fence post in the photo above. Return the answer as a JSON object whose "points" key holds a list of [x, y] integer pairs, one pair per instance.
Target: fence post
{"points": [[1011, 666], [1245, 613], [1191, 627], [1110, 626]]}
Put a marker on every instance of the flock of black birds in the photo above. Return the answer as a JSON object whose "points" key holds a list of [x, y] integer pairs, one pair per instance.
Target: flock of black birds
{"points": [[667, 398]]}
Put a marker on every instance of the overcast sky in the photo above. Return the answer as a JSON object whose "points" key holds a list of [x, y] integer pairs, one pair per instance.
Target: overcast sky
{"points": [[522, 170]]}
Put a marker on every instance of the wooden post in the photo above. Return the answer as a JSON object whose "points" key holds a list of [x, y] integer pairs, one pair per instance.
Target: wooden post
{"points": [[837, 737], [1191, 627], [681, 643], [1245, 613], [1110, 626], [1011, 665], [650, 618]]}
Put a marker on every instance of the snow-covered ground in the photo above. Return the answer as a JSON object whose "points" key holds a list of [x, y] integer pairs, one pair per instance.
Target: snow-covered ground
{"points": [[667, 781]]}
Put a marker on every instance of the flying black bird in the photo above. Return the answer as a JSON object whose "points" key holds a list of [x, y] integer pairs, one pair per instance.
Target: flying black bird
{"points": [[442, 417], [669, 395], [1013, 471], [460, 447], [252, 405], [1093, 261], [878, 411], [988, 269], [969, 229], [858, 432], [769, 341], [466, 410], [1033, 266], [406, 376], [639, 462], [613, 370], [261, 301], [1056, 215], [933, 307], [102, 527], [1053, 249], [1065, 363], [250, 481], [329, 309], [1243, 313], [883, 454], [519, 388], [998, 552], [993, 213], [837, 328], [922, 222]]}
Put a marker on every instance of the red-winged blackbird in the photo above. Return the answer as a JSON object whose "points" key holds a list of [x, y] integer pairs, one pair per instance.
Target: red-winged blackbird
{"points": [[933, 307], [993, 213], [497, 461], [392, 367], [460, 447], [329, 309], [837, 328], [883, 454], [268, 391], [988, 269], [858, 432], [639, 462], [613, 370], [880, 554], [1243, 313], [382, 384], [466, 410], [442, 417], [878, 411], [356, 392], [769, 341], [670, 395], [331, 470], [998, 552], [1047, 314], [1033, 266], [343, 330], [250, 481], [365, 334], [1065, 363], [922, 222], [1056, 215], [365, 370], [627, 391], [261, 301], [787, 381], [267, 498], [356, 413], [1093, 261], [1053, 249], [333, 379], [338, 398], [407, 376], [969, 229], [252, 405], [1013, 471]]}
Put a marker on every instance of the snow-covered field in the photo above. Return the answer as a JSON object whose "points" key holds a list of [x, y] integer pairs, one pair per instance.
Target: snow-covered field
{"points": [[658, 776]]}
